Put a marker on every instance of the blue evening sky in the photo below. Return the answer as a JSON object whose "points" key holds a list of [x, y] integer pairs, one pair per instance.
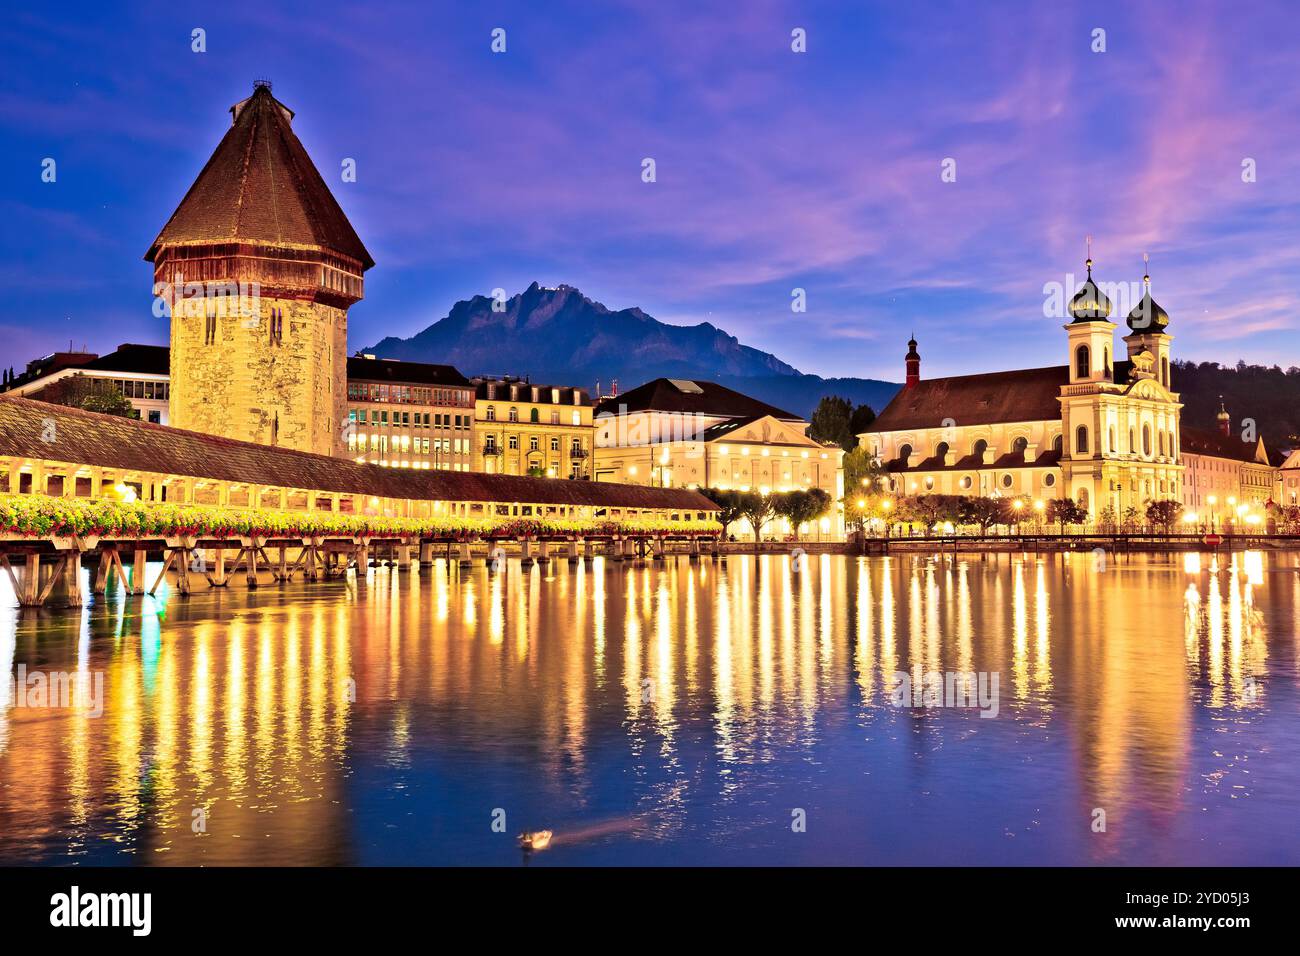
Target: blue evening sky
{"points": [[775, 170]]}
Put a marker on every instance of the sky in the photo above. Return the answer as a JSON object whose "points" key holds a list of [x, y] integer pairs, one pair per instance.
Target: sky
{"points": [[775, 170]]}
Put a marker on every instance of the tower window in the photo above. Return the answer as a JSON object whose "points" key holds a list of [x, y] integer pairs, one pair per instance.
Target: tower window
{"points": [[1082, 362], [1081, 440]]}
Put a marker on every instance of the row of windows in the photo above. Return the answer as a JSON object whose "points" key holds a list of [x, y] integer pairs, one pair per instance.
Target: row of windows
{"points": [[534, 416], [381, 419], [420, 446], [409, 394], [512, 441], [1081, 442], [133, 388], [977, 448]]}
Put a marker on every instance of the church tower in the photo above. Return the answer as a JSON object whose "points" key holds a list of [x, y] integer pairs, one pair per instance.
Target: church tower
{"points": [[1147, 323], [259, 265], [1091, 334]]}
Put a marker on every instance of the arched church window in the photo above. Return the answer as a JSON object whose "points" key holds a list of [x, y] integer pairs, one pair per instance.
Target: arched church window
{"points": [[941, 450], [1081, 439], [1106, 363], [1019, 445], [1164, 371], [1146, 440], [1132, 443], [979, 448], [1113, 447], [1082, 362], [1058, 444], [904, 452], [1162, 444]]}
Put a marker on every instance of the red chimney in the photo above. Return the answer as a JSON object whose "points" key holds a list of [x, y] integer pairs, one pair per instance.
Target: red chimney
{"points": [[913, 362]]}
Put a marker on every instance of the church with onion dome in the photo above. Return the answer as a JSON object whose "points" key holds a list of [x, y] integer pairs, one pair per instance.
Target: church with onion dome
{"points": [[1100, 429]]}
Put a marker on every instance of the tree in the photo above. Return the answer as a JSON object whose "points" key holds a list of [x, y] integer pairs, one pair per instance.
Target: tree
{"points": [[984, 511], [801, 506], [1164, 514], [861, 420], [929, 510], [94, 395], [864, 481], [1063, 511], [757, 508], [830, 422], [728, 501]]}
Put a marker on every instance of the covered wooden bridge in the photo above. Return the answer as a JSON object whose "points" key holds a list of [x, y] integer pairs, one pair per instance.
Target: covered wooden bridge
{"points": [[76, 485]]}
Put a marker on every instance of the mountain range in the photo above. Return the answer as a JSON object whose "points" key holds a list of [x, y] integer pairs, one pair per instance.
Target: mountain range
{"points": [[558, 336]]}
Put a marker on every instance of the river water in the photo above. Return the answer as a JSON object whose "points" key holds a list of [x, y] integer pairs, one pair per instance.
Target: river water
{"points": [[1135, 710]]}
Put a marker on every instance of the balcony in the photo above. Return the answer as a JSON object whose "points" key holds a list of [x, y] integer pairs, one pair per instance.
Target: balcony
{"points": [[578, 453], [491, 450]]}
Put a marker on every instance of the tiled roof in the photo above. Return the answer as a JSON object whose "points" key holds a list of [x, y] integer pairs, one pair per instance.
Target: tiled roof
{"points": [[704, 398], [260, 186], [109, 441], [1199, 441], [415, 373], [140, 359], [502, 386], [1022, 395]]}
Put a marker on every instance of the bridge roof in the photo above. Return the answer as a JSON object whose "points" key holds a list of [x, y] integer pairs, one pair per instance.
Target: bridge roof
{"points": [[39, 430]]}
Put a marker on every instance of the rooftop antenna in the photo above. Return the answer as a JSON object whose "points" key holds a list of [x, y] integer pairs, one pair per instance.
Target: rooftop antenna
{"points": [[1088, 262], [1146, 268]]}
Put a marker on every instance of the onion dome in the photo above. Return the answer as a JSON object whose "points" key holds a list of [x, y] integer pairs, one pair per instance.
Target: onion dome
{"points": [[1223, 418], [1090, 303], [1147, 315], [911, 350]]}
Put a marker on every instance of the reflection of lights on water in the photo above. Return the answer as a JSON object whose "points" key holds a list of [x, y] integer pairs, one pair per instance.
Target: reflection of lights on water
{"points": [[1192, 562], [1253, 567]]}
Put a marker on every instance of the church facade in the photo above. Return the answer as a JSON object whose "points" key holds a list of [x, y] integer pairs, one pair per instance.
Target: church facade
{"points": [[1099, 429]]}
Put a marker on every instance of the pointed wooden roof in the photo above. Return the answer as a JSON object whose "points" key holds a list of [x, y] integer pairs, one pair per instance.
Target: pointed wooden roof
{"points": [[260, 186]]}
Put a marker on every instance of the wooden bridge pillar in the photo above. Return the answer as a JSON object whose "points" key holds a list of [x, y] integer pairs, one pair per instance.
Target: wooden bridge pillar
{"points": [[138, 563], [31, 582], [465, 561], [574, 545], [543, 553], [72, 577], [426, 554], [526, 550], [658, 543]]}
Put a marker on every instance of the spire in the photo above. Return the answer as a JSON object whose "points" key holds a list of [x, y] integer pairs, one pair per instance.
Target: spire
{"points": [[1223, 419], [1147, 315], [1090, 303], [261, 187]]}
